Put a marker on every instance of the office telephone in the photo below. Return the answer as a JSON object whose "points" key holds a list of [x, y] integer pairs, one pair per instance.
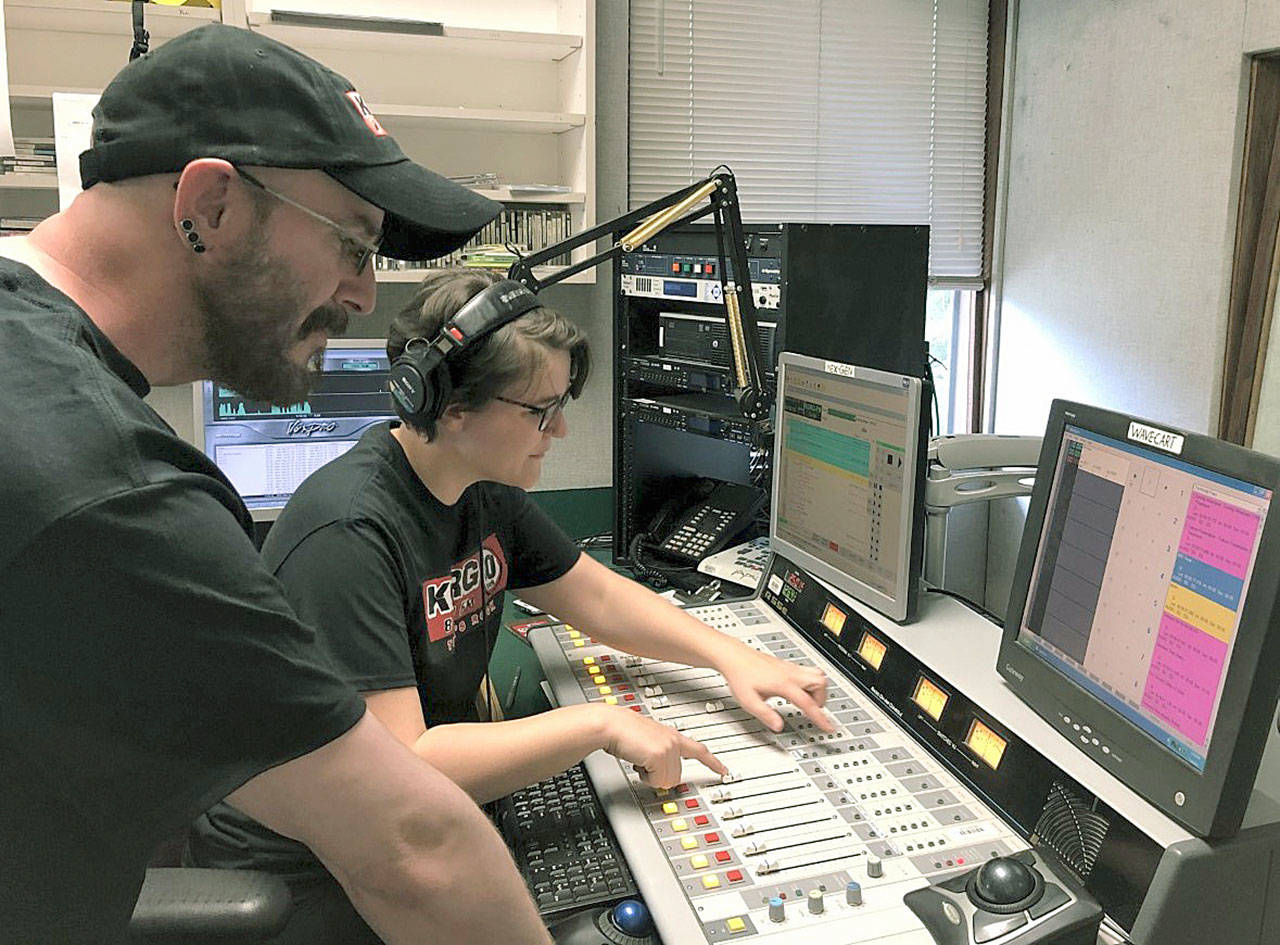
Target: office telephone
{"points": [[719, 513]]}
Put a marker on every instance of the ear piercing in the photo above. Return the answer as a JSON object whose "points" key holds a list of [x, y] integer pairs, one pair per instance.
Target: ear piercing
{"points": [[188, 227]]}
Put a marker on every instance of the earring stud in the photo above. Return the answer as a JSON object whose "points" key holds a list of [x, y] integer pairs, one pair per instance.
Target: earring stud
{"points": [[188, 227]]}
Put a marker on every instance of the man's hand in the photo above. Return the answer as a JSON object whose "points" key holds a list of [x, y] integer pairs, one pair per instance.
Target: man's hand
{"points": [[655, 749], [754, 676]]}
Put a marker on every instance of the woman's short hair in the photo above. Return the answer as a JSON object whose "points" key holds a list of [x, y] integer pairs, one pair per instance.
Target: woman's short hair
{"points": [[513, 353]]}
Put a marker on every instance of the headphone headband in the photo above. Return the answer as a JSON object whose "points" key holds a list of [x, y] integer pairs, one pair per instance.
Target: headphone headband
{"points": [[419, 379]]}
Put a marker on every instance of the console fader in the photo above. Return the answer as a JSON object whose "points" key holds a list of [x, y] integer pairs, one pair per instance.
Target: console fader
{"points": [[813, 836]]}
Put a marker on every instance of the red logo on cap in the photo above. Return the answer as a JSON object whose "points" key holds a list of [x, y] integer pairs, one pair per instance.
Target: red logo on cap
{"points": [[369, 118]]}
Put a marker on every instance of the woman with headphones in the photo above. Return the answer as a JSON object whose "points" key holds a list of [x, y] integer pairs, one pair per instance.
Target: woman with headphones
{"points": [[400, 551]]}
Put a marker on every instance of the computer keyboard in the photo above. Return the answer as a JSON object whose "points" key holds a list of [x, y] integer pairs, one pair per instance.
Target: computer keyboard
{"points": [[562, 844]]}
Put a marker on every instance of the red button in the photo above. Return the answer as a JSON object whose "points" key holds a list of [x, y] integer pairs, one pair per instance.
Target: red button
{"points": [[702, 820], [629, 697], [712, 838], [691, 803], [634, 708], [708, 268], [722, 856], [605, 659], [675, 267], [624, 689], [734, 876], [682, 789]]}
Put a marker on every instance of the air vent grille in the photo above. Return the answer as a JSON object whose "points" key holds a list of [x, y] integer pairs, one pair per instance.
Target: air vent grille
{"points": [[1071, 829]]}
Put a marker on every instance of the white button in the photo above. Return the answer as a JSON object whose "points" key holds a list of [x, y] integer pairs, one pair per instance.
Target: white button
{"points": [[1106, 749]]}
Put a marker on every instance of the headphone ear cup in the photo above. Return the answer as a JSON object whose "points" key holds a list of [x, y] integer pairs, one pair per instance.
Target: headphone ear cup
{"points": [[415, 382]]}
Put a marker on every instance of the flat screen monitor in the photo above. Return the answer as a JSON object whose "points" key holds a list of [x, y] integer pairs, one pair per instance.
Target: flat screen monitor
{"points": [[1140, 621], [848, 479], [266, 451]]}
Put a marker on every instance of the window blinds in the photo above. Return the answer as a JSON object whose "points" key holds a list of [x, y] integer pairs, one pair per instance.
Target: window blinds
{"points": [[828, 111]]}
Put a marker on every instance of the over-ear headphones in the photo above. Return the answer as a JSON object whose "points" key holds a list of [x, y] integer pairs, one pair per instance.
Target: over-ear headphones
{"points": [[420, 383]]}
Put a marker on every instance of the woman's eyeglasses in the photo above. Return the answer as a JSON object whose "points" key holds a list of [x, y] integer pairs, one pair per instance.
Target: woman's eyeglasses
{"points": [[546, 414]]}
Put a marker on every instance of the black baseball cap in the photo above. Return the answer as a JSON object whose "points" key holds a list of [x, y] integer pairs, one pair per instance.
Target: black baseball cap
{"points": [[226, 92]]}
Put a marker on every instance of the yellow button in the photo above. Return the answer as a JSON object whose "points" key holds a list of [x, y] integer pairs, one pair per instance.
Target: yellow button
{"points": [[579, 642], [698, 861], [710, 881], [689, 843], [605, 690], [611, 700], [678, 825], [598, 679], [574, 634], [568, 626], [661, 791], [670, 807], [586, 660], [736, 924]]}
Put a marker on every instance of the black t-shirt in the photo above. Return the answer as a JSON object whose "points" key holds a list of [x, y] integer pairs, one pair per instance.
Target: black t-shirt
{"points": [[149, 664], [391, 580]]}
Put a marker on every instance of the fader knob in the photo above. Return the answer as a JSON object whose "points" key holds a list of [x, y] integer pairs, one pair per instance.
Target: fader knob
{"points": [[816, 904], [853, 893], [875, 868], [776, 911]]}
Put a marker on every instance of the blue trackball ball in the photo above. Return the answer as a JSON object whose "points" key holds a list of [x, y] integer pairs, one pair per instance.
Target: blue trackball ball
{"points": [[631, 916]]}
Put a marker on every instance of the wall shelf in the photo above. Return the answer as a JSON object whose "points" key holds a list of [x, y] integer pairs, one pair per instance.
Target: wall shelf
{"points": [[104, 17], [19, 181], [503, 44], [517, 103], [415, 275], [480, 119]]}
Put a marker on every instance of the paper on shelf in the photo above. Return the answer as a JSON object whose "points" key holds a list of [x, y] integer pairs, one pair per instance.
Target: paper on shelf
{"points": [[72, 128], [6, 114]]}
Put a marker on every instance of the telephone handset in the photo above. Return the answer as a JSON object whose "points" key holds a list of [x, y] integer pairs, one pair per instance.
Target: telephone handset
{"points": [[709, 523]]}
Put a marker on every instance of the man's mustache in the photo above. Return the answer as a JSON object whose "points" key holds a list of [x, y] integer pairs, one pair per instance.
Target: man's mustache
{"points": [[330, 318]]}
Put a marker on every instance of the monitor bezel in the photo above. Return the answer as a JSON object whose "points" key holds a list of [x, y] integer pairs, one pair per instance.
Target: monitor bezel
{"points": [[1211, 802], [272, 512], [902, 605]]}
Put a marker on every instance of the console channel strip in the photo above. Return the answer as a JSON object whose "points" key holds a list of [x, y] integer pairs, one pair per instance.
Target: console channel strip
{"points": [[812, 836]]}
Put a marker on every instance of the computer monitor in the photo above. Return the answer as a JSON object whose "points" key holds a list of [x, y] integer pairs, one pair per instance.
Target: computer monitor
{"points": [[848, 479], [1140, 623], [266, 451]]}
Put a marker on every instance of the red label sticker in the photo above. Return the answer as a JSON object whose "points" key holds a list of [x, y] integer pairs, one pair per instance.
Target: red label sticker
{"points": [[369, 118]]}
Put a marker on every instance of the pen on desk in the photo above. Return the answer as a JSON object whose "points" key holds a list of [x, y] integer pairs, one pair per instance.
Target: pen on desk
{"points": [[511, 691]]}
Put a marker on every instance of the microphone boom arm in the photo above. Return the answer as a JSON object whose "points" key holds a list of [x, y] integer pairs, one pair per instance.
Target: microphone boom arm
{"points": [[646, 222]]}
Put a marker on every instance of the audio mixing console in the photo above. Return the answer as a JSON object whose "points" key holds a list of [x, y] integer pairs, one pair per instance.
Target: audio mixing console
{"points": [[812, 836]]}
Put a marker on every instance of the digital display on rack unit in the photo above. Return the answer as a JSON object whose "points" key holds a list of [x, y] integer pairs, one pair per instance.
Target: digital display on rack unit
{"points": [[872, 651], [833, 619], [986, 744], [687, 290], [930, 698]]}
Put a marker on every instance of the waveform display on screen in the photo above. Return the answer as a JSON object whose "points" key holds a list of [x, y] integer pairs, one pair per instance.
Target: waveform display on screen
{"points": [[353, 394]]}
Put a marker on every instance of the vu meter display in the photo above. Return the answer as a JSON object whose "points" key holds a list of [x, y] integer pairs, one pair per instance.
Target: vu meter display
{"points": [[872, 651], [986, 744], [833, 619], [930, 698]]}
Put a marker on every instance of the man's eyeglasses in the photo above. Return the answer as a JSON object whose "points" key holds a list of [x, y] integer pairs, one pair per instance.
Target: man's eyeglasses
{"points": [[358, 249], [547, 414]]}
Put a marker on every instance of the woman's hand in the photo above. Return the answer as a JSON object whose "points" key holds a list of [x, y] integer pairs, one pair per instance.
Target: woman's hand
{"points": [[753, 677], [656, 750]]}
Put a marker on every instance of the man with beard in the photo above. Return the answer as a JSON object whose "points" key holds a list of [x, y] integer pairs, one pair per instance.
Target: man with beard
{"points": [[149, 665]]}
